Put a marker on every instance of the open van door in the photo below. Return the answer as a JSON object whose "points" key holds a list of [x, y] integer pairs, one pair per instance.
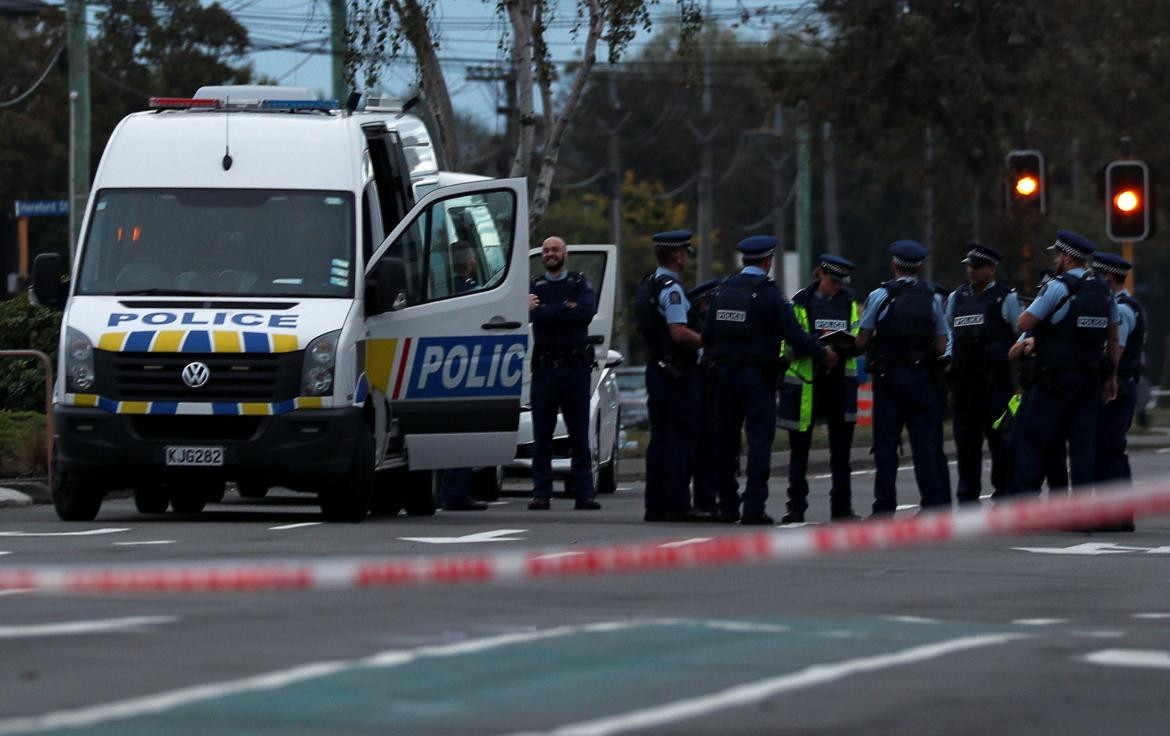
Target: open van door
{"points": [[447, 327]]}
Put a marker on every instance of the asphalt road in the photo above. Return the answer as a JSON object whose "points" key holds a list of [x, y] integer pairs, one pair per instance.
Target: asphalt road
{"points": [[971, 639]]}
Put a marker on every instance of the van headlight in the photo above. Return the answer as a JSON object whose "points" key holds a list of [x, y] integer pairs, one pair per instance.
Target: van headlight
{"points": [[320, 360], [78, 361]]}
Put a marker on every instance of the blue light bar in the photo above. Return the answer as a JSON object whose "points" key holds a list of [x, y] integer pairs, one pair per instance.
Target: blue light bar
{"points": [[300, 105]]}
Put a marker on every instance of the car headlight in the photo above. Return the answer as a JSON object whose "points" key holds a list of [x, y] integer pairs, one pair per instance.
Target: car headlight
{"points": [[320, 359], [78, 361]]}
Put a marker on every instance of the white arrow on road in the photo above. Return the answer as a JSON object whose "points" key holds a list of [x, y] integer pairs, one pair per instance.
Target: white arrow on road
{"points": [[1094, 548], [685, 542], [85, 533], [497, 535]]}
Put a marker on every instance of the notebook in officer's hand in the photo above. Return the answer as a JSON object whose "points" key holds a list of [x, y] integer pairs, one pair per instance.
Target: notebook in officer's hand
{"points": [[839, 340]]}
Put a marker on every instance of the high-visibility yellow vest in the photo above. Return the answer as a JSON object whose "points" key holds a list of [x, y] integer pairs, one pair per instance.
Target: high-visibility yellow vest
{"points": [[796, 390]]}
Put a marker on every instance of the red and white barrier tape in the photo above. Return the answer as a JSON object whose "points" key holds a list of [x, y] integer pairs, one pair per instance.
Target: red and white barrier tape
{"points": [[774, 545]]}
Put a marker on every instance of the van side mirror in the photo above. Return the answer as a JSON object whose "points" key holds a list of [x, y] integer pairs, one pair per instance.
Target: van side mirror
{"points": [[613, 359], [48, 280], [386, 287]]}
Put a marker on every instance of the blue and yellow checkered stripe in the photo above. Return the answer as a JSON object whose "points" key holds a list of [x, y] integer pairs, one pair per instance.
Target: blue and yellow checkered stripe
{"points": [[197, 341], [197, 408]]}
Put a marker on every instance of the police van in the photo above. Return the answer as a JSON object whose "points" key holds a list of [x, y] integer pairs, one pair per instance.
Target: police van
{"points": [[277, 290]]}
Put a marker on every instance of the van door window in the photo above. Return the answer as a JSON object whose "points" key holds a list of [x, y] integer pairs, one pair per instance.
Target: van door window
{"points": [[394, 194]]}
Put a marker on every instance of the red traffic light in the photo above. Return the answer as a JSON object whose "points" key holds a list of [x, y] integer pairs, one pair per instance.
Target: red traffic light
{"points": [[1025, 182], [1128, 201]]}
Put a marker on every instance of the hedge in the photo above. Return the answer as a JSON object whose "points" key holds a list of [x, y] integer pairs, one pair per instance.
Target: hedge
{"points": [[24, 327]]}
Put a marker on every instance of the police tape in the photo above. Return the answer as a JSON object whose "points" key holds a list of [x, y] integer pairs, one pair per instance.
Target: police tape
{"points": [[1078, 511]]}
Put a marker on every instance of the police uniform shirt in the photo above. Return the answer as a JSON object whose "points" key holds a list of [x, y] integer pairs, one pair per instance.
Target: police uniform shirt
{"points": [[1051, 295], [880, 296], [1127, 318], [673, 304], [1010, 310]]}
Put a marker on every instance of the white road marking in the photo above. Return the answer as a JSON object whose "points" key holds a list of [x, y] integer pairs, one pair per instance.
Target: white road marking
{"points": [[746, 627], [1039, 621], [1097, 634], [1164, 450], [70, 628], [911, 619], [754, 692], [558, 555], [907, 506], [1131, 658], [86, 533], [498, 503], [496, 535], [300, 525], [160, 702], [4, 553], [625, 488], [138, 544], [15, 591], [863, 472], [822, 476], [685, 542], [1087, 548], [798, 524], [1152, 616]]}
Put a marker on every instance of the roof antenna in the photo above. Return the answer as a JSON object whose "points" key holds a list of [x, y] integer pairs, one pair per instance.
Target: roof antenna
{"points": [[351, 102], [227, 116]]}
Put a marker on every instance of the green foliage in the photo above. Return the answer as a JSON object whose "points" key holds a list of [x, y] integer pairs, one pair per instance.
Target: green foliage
{"points": [[25, 327], [22, 443]]}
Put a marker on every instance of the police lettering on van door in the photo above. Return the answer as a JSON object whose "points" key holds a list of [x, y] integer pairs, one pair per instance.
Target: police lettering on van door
{"points": [[447, 367]]}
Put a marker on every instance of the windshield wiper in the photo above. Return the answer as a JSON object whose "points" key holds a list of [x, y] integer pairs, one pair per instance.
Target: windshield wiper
{"points": [[162, 292]]}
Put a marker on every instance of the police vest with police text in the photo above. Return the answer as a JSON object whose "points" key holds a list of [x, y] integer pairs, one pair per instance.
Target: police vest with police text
{"points": [[742, 323], [1077, 341], [1129, 367], [818, 317], [981, 334], [905, 323]]}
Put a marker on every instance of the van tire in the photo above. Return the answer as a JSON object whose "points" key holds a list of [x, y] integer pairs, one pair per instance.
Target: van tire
{"points": [[349, 498], [151, 499], [251, 488], [214, 493], [187, 498], [74, 499], [386, 499], [418, 497], [486, 482]]}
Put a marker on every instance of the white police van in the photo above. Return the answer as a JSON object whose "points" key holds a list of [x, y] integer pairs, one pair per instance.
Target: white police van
{"points": [[257, 297]]}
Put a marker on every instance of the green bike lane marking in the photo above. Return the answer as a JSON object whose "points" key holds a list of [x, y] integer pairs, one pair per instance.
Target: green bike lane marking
{"points": [[528, 681]]}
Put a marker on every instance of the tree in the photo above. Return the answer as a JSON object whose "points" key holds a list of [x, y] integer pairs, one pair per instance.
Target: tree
{"points": [[381, 28]]}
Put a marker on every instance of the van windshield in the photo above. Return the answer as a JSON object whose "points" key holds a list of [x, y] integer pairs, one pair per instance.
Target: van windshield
{"points": [[217, 242]]}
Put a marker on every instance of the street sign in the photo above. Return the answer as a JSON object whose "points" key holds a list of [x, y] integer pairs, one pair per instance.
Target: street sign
{"points": [[42, 207]]}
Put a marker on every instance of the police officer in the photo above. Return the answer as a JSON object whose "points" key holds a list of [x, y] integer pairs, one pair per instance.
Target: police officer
{"points": [[660, 309], [1074, 326], [982, 316], [903, 327], [747, 321], [823, 307], [704, 493], [561, 304], [1112, 463]]}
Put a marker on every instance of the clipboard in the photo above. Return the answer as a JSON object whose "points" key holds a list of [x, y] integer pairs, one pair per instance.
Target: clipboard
{"points": [[841, 341]]}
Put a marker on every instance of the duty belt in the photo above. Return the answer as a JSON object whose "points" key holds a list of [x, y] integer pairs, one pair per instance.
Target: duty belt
{"points": [[548, 357]]}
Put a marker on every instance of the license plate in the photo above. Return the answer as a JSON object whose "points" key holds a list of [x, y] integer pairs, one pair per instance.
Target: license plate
{"points": [[204, 456]]}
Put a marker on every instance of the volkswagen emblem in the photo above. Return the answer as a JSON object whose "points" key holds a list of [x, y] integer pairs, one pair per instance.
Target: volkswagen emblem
{"points": [[196, 374]]}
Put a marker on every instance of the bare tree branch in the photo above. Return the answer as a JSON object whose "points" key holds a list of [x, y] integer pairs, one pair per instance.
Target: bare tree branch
{"points": [[413, 19], [520, 15]]}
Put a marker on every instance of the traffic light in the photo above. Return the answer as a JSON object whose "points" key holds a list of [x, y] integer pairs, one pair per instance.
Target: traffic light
{"points": [[1026, 185], [1129, 206]]}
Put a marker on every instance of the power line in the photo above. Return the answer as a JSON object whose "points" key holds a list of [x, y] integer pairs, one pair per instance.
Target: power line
{"points": [[48, 68]]}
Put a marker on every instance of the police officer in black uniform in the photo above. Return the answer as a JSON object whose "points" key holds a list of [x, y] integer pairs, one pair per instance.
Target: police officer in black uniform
{"points": [[1113, 423], [903, 327], [1074, 323], [561, 304], [704, 486], [982, 316], [660, 307], [746, 323]]}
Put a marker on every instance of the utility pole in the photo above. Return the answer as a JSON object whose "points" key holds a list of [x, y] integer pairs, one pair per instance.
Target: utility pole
{"points": [[620, 118], [507, 75], [79, 127], [706, 175], [779, 231], [928, 230], [804, 197], [337, 44], [829, 193]]}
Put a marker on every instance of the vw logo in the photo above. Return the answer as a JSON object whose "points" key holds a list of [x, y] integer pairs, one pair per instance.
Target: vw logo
{"points": [[196, 374]]}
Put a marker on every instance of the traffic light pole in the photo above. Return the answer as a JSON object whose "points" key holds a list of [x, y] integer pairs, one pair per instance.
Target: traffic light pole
{"points": [[78, 118], [1127, 254]]}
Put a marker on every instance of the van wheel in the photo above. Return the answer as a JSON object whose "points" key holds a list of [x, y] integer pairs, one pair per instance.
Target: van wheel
{"points": [[608, 473], [214, 492], [74, 499], [386, 499], [486, 482], [251, 488], [151, 499], [188, 498], [350, 497], [419, 496]]}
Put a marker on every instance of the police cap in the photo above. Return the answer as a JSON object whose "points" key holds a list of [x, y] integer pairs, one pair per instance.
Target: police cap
{"points": [[674, 239], [1073, 244], [979, 254], [702, 290], [907, 253], [757, 247], [837, 267], [1111, 263]]}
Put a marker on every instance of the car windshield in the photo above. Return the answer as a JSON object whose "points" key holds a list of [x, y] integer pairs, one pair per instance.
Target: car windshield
{"points": [[631, 381], [216, 242]]}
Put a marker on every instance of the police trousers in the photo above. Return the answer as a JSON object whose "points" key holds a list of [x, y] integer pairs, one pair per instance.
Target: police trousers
{"points": [[906, 396], [979, 401], [829, 405], [1113, 423], [1061, 409], [672, 402], [745, 399], [565, 387]]}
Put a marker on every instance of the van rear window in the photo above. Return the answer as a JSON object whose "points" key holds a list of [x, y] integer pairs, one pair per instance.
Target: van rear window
{"points": [[219, 242]]}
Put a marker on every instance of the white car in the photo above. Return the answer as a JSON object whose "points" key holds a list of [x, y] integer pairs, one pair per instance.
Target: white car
{"points": [[599, 264]]}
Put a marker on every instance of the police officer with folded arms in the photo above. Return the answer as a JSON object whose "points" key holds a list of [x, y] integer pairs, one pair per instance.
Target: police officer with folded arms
{"points": [[746, 324], [806, 394], [660, 308], [1074, 324], [982, 316], [561, 304], [1112, 463], [903, 327]]}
